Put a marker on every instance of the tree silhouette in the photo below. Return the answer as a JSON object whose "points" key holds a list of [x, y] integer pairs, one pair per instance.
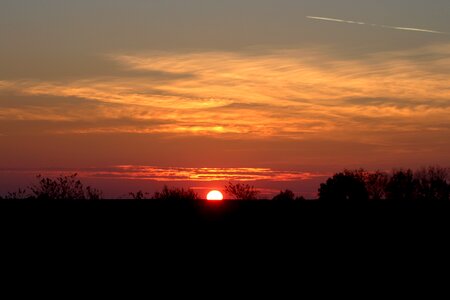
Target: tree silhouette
{"points": [[376, 185], [432, 183], [175, 194], [139, 195], [401, 186], [63, 188], [241, 191], [426, 184], [19, 195], [286, 196], [346, 186]]}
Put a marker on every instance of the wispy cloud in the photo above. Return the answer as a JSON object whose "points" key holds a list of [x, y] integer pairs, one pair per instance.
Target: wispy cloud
{"points": [[209, 174], [179, 174], [375, 25], [290, 94]]}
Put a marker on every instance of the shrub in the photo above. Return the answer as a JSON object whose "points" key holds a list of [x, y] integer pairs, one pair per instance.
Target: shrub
{"points": [[287, 195], [175, 194]]}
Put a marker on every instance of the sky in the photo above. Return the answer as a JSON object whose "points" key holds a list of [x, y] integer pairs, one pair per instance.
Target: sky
{"points": [[192, 93]]}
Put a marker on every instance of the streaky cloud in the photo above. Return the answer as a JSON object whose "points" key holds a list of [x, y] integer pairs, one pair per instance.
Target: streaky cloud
{"points": [[336, 20], [180, 174], [299, 94], [376, 25], [412, 29]]}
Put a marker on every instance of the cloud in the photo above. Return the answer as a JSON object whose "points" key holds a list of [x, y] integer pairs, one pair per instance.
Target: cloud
{"points": [[208, 174], [292, 94], [107, 125], [174, 174], [398, 103], [375, 25]]}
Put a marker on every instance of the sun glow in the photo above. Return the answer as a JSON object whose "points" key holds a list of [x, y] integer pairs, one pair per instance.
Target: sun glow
{"points": [[214, 196]]}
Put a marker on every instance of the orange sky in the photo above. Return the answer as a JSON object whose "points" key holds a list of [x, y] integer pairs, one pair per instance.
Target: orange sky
{"points": [[278, 114]]}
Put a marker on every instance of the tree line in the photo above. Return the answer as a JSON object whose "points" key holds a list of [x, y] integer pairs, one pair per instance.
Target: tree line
{"points": [[425, 184], [430, 183]]}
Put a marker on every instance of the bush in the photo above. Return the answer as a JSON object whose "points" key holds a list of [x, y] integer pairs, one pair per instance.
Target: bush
{"points": [[287, 195], [175, 194]]}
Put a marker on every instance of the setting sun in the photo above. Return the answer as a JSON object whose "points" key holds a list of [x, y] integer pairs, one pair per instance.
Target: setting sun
{"points": [[214, 196]]}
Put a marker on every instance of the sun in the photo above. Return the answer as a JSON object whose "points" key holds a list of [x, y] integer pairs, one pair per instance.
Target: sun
{"points": [[214, 196]]}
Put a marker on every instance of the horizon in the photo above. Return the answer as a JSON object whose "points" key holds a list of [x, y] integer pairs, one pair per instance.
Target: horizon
{"points": [[279, 94]]}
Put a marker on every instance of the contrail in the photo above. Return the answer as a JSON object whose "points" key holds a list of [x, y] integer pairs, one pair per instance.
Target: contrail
{"points": [[376, 25]]}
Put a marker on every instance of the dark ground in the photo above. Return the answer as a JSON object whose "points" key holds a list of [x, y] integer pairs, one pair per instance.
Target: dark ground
{"points": [[297, 214], [234, 235]]}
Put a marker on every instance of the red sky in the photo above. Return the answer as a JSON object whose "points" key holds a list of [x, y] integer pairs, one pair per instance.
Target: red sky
{"points": [[255, 92]]}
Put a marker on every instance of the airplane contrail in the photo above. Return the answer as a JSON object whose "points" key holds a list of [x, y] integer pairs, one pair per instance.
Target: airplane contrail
{"points": [[375, 25]]}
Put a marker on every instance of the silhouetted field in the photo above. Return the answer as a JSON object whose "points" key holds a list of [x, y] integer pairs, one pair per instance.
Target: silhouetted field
{"points": [[192, 212], [238, 228]]}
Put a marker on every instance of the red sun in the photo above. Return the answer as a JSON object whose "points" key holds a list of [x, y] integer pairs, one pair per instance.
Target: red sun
{"points": [[214, 196]]}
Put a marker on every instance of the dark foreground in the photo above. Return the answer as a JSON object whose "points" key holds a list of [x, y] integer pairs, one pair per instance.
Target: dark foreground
{"points": [[303, 214], [200, 231]]}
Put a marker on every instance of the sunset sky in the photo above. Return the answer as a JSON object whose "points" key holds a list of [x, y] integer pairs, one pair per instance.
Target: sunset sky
{"points": [[192, 93]]}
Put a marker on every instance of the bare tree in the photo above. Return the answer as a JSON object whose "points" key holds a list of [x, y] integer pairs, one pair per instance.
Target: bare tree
{"points": [[241, 191], [432, 183]]}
